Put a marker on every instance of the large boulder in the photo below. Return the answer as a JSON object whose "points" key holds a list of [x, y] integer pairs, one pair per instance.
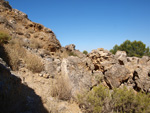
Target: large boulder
{"points": [[116, 75], [141, 78], [76, 72], [102, 59], [70, 47], [121, 56]]}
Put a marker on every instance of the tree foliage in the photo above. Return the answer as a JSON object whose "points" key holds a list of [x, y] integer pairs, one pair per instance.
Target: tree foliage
{"points": [[135, 48]]}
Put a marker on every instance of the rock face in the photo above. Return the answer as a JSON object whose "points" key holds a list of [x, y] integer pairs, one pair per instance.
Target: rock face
{"points": [[18, 25], [119, 69], [77, 72], [116, 75]]}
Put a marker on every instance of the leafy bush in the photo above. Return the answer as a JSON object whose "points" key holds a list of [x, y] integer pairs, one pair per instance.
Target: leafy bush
{"points": [[96, 100], [72, 54], [4, 37], [121, 100], [127, 101], [85, 52], [135, 48]]}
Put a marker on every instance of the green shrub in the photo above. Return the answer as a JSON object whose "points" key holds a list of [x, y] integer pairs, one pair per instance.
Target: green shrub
{"points": [[127, 101], [121, 100], [72, 54], [4, 37], [85, 52], [96, 100]]}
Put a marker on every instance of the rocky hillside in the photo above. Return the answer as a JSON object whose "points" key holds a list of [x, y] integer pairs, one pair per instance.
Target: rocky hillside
{"points": [[39, 76], [18, 25]]}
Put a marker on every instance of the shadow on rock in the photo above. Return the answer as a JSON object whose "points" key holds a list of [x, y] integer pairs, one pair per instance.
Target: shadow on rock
{"points": [[16, 97]]}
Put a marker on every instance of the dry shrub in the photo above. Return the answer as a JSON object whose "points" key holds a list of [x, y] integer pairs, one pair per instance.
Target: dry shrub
{"points": [[35, 43], [62, 89], [14, 52], [34, 63], [19, 41]]}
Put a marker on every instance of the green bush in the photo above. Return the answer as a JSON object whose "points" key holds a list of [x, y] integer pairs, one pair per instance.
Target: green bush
{"points": [[127, 101], [98, 98], [95, 100], [121, 100], [85, 52], [135, 48], [4, 37], [72, 54]]}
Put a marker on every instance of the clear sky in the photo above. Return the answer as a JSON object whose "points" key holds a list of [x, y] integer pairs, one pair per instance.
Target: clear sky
{"points": [[91, 24]]}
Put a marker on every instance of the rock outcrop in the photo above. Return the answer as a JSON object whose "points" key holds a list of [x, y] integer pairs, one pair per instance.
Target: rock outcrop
{"points": [[18, 25], [119, 69]]}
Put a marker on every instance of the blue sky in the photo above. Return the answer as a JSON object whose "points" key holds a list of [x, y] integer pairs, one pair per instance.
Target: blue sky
{"points": [[91, 24]]}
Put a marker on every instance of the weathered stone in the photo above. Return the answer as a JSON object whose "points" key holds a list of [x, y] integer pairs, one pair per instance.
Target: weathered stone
{"points": [[77, 74], [70, 47], [116, 75]]}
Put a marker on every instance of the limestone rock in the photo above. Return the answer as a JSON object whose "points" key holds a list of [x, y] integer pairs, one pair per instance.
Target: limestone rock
{"points": [[116, 75], [70, 47], [77, 74]]}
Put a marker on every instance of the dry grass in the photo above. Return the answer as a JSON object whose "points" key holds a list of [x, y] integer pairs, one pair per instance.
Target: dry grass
{"points": [[62, 89], [14, 52], [35, 43], [34, 63]]}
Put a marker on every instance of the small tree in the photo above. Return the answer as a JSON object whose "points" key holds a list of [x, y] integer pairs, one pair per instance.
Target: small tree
{"points": [[135, 48], [85, 52]]}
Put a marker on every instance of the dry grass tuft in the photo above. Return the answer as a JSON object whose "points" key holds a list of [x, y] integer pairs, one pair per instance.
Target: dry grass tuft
{"points": [[62, 89], [34, 63], [35, 43], [14, 52]]}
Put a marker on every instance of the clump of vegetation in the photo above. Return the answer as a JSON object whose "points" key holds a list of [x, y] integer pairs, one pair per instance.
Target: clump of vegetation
{"points": [[96, 100], [4, 37], [33, 63], [17, 55], [121, 100], [85, 52], [62, 89], [72, 54], [127, 101], [135, 48], [35, 43]]}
